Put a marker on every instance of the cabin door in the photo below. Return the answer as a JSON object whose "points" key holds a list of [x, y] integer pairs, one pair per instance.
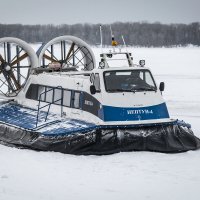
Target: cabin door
{"points": [[77, 98]]}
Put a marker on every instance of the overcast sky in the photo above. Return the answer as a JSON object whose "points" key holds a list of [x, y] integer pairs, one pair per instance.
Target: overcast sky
{"points": [[98, 11]]}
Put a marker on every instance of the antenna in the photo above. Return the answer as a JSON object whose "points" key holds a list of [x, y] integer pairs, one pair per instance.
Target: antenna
{"points": [[112, 36], [101, 38], [114, 43], [129, 57], [124, 43]]}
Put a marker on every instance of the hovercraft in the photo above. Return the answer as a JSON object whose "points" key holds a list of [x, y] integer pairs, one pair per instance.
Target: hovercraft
{"points": [[58, 100]]}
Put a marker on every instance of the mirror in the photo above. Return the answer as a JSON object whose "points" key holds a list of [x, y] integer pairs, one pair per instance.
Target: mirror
{"points": [[162, 86], [92, 78], [92, 89]]}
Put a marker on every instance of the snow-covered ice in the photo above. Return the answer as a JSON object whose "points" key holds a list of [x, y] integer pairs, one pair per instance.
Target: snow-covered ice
{"points": [[31, 175]]}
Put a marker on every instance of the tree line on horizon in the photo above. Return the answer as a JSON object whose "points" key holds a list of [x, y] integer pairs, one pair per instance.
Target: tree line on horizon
{"points": [[135, 33]]}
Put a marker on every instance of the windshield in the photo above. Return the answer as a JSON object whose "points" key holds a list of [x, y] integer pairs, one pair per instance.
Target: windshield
{"points": [[129, 81]]}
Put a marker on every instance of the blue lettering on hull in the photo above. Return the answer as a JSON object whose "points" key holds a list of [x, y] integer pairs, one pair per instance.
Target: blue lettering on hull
{"points": [[110, 113]]}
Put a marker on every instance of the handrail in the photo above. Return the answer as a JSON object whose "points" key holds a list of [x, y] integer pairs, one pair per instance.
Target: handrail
{"points": [[49, 104]]}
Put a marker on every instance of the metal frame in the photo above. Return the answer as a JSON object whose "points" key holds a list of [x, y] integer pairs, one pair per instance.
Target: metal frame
{"points": [[49, 104]]}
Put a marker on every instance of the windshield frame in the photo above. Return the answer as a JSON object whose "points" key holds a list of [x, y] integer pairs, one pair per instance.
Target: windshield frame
{"points": [[126, 70]]}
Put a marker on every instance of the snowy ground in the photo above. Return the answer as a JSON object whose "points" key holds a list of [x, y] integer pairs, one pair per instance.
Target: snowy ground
{"points": [[30, 175]]}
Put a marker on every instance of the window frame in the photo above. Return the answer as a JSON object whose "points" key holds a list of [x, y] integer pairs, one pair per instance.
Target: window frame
{"points": [[99, 82], [73, 99], [70, 103], [143, 70], [80, 101]]}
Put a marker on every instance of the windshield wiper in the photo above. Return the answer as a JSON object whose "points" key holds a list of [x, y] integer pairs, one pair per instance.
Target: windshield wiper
{"points": [[120, 90], [132, 89], [143, 89]]}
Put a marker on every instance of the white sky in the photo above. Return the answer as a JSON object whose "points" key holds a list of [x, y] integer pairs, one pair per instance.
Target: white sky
{"points": [[101, 11]]}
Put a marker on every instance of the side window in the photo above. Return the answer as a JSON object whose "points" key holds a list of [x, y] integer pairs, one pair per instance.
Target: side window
{"points": [[149, 79], [76, 102], [97, 82], [49, 94], [142, 75], [57, 96], [67, 98], [41, 93], [32, 92]]}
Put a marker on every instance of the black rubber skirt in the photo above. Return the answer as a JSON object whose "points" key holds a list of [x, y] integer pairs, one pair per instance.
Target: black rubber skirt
{"points": [[161, 138]]}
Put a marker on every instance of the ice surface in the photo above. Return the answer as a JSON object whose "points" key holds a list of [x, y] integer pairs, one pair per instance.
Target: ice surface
{"points": [[30, 175]]}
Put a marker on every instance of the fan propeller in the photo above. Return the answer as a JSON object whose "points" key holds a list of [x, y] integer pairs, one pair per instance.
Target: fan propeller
{"points": [[65, 53], [17, 58]]}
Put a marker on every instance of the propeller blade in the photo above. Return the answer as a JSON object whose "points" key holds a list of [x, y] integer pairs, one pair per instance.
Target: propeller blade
{"points": [[1, 58], [49, 58], [19, 59], [70, 51], [17, 85]]}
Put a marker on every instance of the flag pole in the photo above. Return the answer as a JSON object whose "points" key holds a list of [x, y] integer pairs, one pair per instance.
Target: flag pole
{"points": [[101, 38]]}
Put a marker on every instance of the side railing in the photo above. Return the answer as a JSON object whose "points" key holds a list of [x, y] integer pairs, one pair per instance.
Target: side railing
{"points": [[48, 104]]}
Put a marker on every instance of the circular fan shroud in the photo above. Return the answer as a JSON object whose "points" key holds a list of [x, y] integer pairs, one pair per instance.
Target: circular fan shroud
{"points": [[66, 53], [17, 59]]}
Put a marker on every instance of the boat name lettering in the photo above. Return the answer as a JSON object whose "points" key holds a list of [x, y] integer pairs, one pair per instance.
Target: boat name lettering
{"points": [[140, 111], [89, 103]]}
